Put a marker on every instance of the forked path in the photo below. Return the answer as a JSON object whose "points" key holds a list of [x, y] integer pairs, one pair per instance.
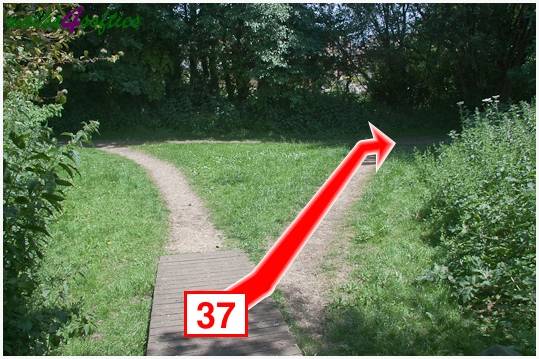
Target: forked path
{"points": [[190, 227], [206, 267], [306, 286]]}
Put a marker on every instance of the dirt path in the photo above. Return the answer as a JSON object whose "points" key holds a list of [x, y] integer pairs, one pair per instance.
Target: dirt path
{"points": [[190, 227], [307, 286]]}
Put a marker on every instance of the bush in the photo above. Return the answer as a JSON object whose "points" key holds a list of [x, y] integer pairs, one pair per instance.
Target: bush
{"points": [[37, 168], [482, 210]]}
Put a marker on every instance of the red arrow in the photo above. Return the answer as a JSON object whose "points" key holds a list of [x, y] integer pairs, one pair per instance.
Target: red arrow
{"points": [[261, 282]]}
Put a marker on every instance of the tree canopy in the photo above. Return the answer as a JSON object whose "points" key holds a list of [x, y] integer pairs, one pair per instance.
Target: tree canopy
{"points": [[240, 60]]}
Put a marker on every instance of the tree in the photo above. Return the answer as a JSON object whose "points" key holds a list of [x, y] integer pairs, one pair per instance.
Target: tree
{"points": [[475, 47], [194, 63]]}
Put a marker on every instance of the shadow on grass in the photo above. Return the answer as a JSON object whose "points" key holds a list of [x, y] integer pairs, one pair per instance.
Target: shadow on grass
{"points": [[407, 137], [44, 329], [383, 309], [351, 330], [416, 325]]}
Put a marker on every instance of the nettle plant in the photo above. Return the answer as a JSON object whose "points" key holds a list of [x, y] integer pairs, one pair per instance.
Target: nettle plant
{"points": [[37, 169], [482, 211]]}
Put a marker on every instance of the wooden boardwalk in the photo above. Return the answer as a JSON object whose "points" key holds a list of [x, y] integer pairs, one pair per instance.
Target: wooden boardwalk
{"points": [[268, 332]]}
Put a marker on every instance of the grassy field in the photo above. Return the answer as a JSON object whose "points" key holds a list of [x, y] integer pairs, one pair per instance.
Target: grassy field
{"points": [[114, 227], [104, 253], [252, 190], [384, 309]]}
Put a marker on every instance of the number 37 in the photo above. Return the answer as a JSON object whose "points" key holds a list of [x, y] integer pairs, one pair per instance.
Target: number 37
{"points": [[207, 310], [212, 313]]}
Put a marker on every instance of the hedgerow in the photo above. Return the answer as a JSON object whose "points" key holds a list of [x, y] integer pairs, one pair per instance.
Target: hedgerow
{"points": [[481, 210], [38, 168]]}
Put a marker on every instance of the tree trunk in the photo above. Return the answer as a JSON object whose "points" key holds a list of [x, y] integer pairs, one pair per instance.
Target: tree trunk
{"points": [[214, 74]]}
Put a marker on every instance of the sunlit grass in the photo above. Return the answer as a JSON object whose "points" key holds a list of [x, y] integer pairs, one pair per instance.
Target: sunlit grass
{"points": [[106, 246], [253, 190]]}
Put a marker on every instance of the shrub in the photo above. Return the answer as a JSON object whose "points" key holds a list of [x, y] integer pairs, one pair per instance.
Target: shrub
{"points": [[482, 210], [37, 168]]}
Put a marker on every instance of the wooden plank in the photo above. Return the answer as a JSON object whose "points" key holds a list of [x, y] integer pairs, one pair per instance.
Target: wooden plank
{"points": [[208, 346], [226, 275], [221, 285], [268, 332], [267, 312], [260, 324], [170, 274], [165, 318], [192, 265], [281, 329], [173, 307], [196, 257]]}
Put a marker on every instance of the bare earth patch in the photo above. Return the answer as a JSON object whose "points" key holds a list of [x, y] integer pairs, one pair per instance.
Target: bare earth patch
{"points": [[190, 227], [181, 142], [307, 286]]}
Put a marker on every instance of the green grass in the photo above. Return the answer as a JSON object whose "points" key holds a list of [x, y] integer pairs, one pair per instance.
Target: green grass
{"points": [[105, 247], [253, 190], [383, 309]]}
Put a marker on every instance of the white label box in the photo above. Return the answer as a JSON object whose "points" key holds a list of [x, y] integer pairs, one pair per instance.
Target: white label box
{"points": [[211, 313]]}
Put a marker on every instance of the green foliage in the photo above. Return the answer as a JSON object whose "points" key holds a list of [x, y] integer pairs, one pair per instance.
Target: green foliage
{"points": [[522, 78], [482, 210], [54, 315], [425, 55], [37, 169], [227, 66], [470, 51], [229, 43]]}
